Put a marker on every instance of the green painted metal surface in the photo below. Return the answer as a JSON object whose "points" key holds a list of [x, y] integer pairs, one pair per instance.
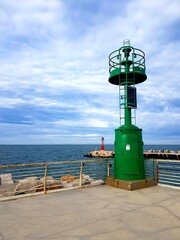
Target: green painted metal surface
{"points": [[127, 68], [129, 158]]}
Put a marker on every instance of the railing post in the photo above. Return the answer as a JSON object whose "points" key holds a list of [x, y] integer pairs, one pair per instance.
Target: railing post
{"points": [[153, 171], [157, 171], [108, 168], [80, 174], [45, 175]]}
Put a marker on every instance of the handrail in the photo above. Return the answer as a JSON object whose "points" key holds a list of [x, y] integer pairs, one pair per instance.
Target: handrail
{"points": [[164, 172], [48, 163], [28, 178]]}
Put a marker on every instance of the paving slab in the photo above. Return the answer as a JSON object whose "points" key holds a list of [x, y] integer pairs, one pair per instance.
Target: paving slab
{"points": [[94, 213]]}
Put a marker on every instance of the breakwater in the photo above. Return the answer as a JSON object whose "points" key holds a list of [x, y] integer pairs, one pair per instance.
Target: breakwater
{"points": [[156, 154], [162, 154]]}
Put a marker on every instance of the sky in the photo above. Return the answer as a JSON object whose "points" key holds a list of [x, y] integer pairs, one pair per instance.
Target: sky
{"points": [[54, 69]]}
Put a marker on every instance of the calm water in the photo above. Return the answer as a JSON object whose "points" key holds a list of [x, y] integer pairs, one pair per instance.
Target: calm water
{"points": [[13, 154]]}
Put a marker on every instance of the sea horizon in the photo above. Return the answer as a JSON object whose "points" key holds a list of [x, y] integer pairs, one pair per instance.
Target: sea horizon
{"points": [[34, 153], [154, 144]]}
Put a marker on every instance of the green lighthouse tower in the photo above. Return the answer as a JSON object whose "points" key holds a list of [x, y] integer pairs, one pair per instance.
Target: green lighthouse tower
{"points": [[126, 69]]}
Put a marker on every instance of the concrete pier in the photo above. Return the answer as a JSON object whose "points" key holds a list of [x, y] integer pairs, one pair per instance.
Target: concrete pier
{"points": [[156, 154], [165, 154], [94, 213]]}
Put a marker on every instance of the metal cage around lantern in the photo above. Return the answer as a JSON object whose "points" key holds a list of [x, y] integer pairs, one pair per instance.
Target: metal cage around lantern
{"points": [[117, 66]]}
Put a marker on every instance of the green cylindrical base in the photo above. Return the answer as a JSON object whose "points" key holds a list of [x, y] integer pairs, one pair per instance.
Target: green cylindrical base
{"points": [[129, 158]]}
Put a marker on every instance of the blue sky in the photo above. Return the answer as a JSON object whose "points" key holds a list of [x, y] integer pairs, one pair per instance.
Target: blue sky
{"points": [[54, 85]]}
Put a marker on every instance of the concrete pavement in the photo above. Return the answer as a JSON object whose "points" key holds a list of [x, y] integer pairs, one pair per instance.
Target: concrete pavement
{"points": [[94, 213]]}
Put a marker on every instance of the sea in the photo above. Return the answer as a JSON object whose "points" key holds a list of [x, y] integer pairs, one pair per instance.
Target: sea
{"points": [[17, 154]]}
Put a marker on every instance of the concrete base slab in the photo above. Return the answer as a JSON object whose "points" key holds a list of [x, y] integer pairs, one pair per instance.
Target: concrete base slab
{"points": [[129, 185], [93, 213]]}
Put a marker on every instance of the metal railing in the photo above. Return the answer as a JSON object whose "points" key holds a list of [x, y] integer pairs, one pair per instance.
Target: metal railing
{"points": [[164, 172], [151, 169], [19, 179], [169, 173]]}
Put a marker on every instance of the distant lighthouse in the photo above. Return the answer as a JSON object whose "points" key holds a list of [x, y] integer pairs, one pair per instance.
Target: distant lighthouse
{"points": [[102, 144]]}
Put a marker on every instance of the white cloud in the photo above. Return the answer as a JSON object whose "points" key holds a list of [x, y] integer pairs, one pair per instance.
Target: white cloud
{"points": [[94, 123], [59, 62]]}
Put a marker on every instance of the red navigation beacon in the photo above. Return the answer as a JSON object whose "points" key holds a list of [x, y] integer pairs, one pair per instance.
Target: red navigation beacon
{"points": [[102, 144]]}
